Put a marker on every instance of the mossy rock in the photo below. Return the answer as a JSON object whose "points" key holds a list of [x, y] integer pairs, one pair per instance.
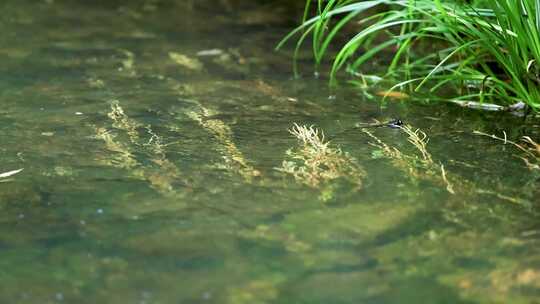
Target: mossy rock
{"points": [[353, 224]]}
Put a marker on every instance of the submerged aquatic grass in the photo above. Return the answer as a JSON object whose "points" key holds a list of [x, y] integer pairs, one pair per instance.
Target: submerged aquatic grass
{"points": [[317, 162], [235, 160], [418, 139], [161, 174], [206, 115], [122, 122], [420, 165], [484, 51], [529, 147]]}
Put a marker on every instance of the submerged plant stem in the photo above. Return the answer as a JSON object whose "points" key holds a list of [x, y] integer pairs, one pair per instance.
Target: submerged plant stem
{"points": [[315, 162]]}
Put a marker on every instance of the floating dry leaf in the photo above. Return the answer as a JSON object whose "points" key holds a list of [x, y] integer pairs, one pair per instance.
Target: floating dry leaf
{"points": [[210, 53], [10, 173], [392, 94], [191, 63]]}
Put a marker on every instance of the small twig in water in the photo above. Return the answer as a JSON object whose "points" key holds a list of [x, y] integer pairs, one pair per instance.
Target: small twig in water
{"points": [[532, 148], [449, 186]]}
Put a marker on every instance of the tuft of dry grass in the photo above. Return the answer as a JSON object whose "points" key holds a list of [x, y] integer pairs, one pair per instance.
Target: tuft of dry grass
{"points": [[316, 161]]}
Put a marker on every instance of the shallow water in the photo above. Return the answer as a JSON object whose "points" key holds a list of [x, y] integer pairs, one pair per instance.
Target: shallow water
{"points": [[151, 171]]}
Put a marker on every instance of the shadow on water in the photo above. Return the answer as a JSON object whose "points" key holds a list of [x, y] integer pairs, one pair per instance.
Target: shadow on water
{"points": [[161, 166]]}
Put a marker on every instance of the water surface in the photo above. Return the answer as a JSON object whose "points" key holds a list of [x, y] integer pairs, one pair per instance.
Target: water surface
{"points": [[152, 134]]}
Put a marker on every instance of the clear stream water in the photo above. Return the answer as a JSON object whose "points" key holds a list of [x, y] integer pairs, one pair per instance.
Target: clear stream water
{"points": [[151, 133]]}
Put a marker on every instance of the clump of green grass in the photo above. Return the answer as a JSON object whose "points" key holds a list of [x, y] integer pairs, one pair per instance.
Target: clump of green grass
{"points": [[484, 51]]}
